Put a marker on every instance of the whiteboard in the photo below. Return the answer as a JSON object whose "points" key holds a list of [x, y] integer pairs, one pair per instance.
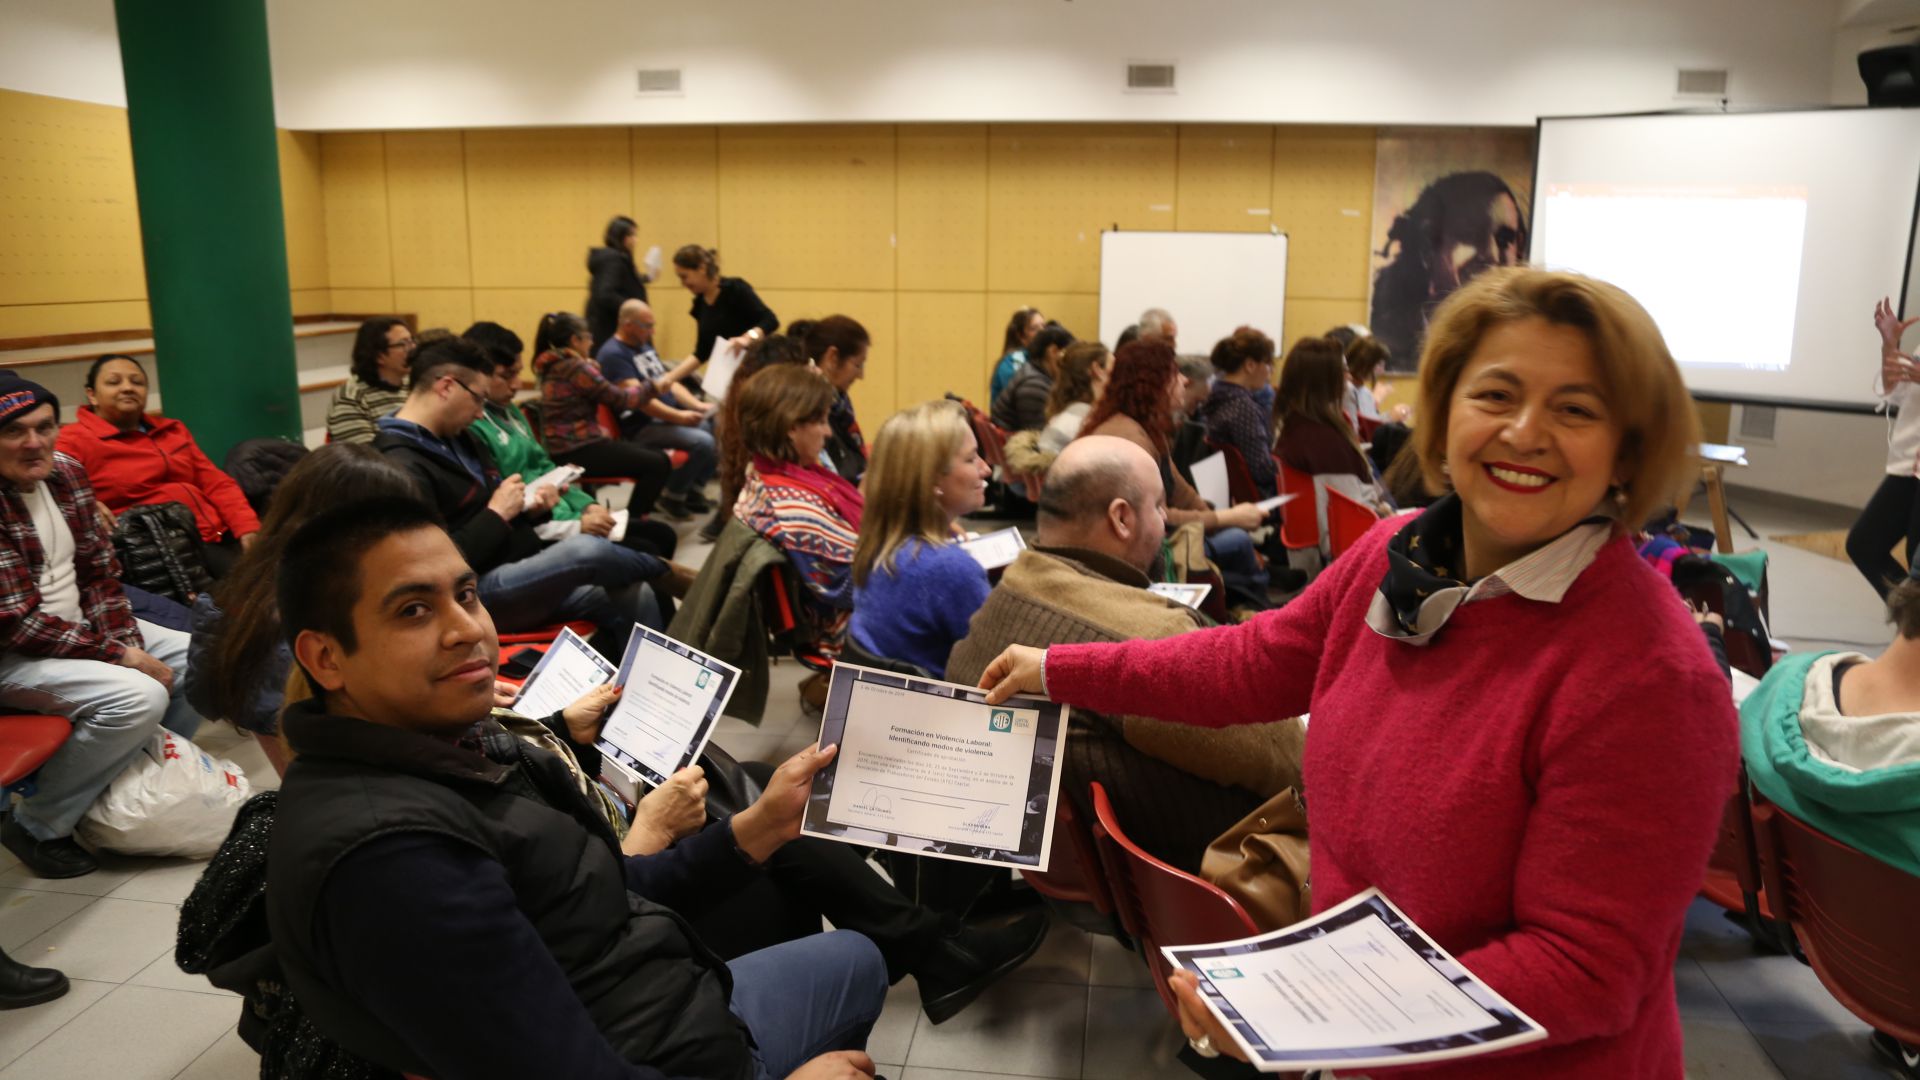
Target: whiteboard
{"points": [[1853, 175], [1211, 283]]}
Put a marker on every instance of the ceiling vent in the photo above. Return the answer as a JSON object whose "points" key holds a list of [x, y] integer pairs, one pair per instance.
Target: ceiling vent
{"points": [[1701, 83], [660, 82], [1150, 77]]}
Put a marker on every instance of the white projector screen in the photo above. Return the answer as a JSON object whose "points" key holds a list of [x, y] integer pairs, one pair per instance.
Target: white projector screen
{"points": [[1758, 241], [1211, 283]]}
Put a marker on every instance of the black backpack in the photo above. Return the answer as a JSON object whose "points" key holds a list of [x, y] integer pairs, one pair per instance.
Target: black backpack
{"points": [[159, 551]]}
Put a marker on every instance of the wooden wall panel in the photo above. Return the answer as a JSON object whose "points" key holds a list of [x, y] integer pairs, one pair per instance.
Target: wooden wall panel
{"points": [[1309, 316], [808, 207], [67, 207], [1078, 312], [449, 308], [942, 337], [364, 302], [676, 201], [519, 310], [1226, 178], [538, 199], [1323, 201], [873, 396], [308, 302], [37, 320], [427, 203], [353, 178], [1051, 189], [943, 207], [303, 207]]}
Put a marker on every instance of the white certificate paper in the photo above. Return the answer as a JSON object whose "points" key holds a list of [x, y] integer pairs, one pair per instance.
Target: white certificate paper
{"points": [[1354, 987], [722, 363], [930, 768], [570, 668], [672, 699], [996, 549], [1278, 501], [1180, 592], [1210, 480]]}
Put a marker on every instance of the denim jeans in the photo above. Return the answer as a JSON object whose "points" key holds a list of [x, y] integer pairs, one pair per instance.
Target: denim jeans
{"points": [[703, 456], [808, 997], [114, 711], [1232, 550], [581, 577]]}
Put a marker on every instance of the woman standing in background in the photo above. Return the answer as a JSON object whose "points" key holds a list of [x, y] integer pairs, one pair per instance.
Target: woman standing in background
{"points": [[723, 307], [615, 279], [1894, 510]]}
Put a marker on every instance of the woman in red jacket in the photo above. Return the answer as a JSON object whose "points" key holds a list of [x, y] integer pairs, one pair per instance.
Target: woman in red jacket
{"points": [[135, 459], [1518, 734]]}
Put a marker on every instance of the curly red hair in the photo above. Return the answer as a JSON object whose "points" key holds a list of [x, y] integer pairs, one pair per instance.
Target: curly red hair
{"points": [[1139, 389]]}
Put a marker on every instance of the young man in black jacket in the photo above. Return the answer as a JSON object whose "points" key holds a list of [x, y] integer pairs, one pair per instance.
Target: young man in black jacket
{"points": [[452, 905], [525, 581]]}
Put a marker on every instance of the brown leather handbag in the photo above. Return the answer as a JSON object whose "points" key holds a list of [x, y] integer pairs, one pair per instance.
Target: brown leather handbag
{"points": [[1262, 862]]}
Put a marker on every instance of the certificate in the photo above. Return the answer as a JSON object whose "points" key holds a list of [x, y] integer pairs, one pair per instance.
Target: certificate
{"points": [[1354, 987], [1180, 592], [673, 698], [995, 549], [570, 668], [930, 768]]}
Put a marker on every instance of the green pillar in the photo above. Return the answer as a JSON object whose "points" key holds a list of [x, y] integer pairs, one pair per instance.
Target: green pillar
{"points": [[207, 173]]}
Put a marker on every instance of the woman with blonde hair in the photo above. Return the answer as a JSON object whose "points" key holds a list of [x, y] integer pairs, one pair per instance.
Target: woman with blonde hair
{"points": [[913, 589], [1545, 741]]}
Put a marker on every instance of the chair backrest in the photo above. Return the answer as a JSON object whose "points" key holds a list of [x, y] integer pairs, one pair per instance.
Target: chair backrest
{"points": [[1348, 519], [546, 635], [1073, 874], [26, 742], [1300, 518], [609, 423], [1853, 915], [1240, 487], [1733, 877], [1159, 905]]}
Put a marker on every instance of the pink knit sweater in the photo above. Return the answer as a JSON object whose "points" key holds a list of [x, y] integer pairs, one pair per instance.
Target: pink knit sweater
{"points": [[1538, 787]]}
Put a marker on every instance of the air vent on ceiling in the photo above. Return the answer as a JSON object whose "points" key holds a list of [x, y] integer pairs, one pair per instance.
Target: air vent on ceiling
{"points": [[1701, 83], [1154, 77], [1756, 423], [660, 81]]}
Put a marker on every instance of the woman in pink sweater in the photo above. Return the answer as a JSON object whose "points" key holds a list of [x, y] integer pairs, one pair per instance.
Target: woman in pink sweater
{"points": [[1518, 734]]}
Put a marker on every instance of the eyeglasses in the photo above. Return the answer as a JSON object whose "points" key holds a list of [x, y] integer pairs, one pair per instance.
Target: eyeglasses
{"points": [[478, 397], [407, 344]]}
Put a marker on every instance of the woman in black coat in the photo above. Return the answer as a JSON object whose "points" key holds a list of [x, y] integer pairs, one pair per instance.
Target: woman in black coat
{"points": [[615, 277]]}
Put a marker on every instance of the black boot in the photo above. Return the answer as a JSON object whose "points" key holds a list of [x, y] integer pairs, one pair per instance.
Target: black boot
{"points": [[57, 858], [21, 986], [966, 962]]}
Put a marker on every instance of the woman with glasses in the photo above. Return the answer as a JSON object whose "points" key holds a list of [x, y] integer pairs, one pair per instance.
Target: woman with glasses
{"points": [[377, 383], [572, 389]]}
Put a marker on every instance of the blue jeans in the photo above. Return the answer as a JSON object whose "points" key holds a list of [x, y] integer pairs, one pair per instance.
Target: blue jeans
{"points": [[581, 577], [804, 998], [703, 457], [1233, 552]]}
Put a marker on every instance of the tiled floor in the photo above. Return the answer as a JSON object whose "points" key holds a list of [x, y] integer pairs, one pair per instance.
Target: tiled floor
{"points": [[1082, 1007]]}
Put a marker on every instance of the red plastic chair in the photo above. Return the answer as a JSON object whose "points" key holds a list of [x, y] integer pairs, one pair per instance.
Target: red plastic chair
{"points": [[1853, 916], [1300, 518], [546, 634], [610, 427], [1160, 905], [1073, 875], [1348, 519], [27, 740], [1733, 878]]}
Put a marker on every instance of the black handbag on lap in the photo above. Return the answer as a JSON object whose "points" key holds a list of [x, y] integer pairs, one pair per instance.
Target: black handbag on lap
{"points": [[159, 551]]}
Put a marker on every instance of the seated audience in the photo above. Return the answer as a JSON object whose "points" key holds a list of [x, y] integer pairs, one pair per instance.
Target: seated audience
{"points": [[913, 588], [613, 278], [69, 644], [1025, 323], [525, 582], [1157, 323], [1189, 433], [572, 390], [1139, 407], [136, 459], [1243, 365], [1022, 405], [1101, 521], [503, 430], [764, 353], [838, 347], [807, 510], [376, 381], [1081, 378], [417, 861], [1365, 357], [1312, 435], [627, 360], [724, 308]]}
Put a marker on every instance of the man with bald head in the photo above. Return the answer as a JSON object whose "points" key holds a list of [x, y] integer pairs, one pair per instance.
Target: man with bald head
{"points": [[1101, 521], [683, 423]]}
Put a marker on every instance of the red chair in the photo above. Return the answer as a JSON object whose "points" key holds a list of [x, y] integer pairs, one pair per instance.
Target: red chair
{"points": [[1299, 518], [546, 634], [26, 742], [782, 621], [1240, 487], [1733, 878], [1073, 874], [1348, 519], [1853, 916], [1160, 905]]}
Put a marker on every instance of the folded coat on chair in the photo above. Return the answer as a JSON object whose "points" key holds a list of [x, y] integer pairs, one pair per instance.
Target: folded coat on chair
{"points": [[721, 613]]}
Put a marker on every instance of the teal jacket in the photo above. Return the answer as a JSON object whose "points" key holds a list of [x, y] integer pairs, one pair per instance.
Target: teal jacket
{"points": [[1876, 810], [506, 433]]}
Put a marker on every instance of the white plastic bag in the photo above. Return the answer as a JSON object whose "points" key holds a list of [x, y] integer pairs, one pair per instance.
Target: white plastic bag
{"points": [[174, 799]]}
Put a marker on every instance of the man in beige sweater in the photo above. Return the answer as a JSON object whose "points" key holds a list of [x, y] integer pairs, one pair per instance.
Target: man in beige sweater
{"points": [[1102, 517]]}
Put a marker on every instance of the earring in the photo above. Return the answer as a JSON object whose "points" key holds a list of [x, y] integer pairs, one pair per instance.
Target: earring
{"points": [[937, 491], [1619, 500]]}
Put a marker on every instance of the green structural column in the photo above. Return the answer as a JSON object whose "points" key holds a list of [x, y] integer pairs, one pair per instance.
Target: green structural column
{"points": [[207, 171]]}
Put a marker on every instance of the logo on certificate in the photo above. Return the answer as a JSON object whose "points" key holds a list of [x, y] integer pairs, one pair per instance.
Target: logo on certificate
{"points": [[1225, 973], [1000, 720], [700, 682]]}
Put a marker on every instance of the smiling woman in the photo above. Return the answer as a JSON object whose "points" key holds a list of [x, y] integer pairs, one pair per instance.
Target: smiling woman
{"points": [[1503, 672]]}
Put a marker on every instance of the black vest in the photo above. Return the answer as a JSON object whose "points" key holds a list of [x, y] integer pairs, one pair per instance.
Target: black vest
{"points": [[656, 993]]}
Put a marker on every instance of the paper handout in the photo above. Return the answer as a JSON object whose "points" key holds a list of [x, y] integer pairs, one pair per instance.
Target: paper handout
{"points": [[930, 768], [570, 668], [1268, 506], [558, 476], [995, 549], [1358, 985], [672, 700], [722, 363], [1210, 480], [1181, 592]]}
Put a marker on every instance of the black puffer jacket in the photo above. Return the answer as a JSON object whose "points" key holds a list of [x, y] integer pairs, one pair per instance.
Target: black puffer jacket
{"points": [[614, 281]]}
